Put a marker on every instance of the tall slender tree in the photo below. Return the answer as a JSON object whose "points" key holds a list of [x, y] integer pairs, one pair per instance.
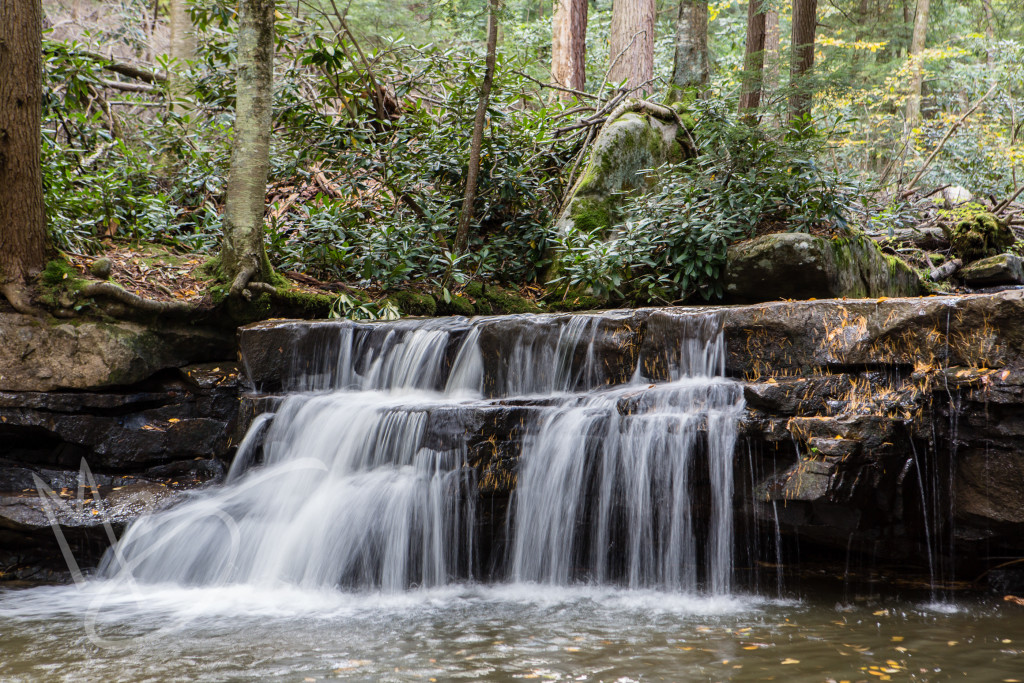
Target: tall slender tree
{"points": [[753, 60], [243, 257], [690, 67], [24, 243], [569, 46], [476, 143], [805, 24], [917, 73], [183, 42], [631, 44]]}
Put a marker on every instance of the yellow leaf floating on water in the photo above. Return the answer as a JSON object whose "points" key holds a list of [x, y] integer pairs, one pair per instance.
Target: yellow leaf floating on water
{"points": [[897, 639], [790, 661]]}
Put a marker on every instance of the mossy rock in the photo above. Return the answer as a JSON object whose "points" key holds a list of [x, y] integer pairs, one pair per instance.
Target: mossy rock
{"points": [[980, 236], [491, 299], [456, 305], [580, 302], [411, 302], [801, 266], [616, 165], [994, 271]]}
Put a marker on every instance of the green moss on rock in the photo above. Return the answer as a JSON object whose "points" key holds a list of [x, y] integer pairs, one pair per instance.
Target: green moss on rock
{"points": [[410, 302], [979, 236]]}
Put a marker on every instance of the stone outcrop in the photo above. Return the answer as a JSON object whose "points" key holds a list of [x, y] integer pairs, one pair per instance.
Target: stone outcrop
{"points": [[145, 444], [884, 428], [802, 266], [1002, 269], [41, 355]]}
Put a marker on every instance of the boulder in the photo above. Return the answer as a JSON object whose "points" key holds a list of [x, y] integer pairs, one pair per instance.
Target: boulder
{"points": [[1002, 269], [40, 355], [627, 146], [802, 266]]}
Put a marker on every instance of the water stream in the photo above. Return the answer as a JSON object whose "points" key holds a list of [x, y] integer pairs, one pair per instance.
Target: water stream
{"points": [[348, 541]]}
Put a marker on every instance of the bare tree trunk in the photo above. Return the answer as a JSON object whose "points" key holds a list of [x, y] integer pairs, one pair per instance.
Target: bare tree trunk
{"points": [[990, 31], [24, 243], [243, 255], [916, 48], [631, 44], [753, 60], [772, 51], [475, 145], [569, 46], [183, 44], [805, 24], [690, 68]]}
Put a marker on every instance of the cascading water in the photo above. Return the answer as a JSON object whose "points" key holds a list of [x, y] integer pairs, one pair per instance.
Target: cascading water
{"points": [[625, 475]]}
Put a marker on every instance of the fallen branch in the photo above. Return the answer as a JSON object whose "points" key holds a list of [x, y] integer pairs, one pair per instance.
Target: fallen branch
{"points": [[128, 87], [555, 86], [112, 291], [945, 271], [1009, 200], [139, 73]]}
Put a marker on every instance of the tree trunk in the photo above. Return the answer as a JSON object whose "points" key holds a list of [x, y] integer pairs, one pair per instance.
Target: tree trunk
{"points": [[475, 145], [753, 60], [569, 46], [631, 44], [690, 68], [24, 243], [990, 31], [772, 52], [183, 44], [243, 256], [917, 74], [805, 23]]}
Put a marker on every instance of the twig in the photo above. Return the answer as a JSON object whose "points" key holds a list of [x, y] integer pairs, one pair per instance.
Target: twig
{"points": [[949, 133], [555, 86]]}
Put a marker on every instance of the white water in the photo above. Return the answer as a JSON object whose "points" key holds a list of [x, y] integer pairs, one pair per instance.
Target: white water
{"points": [[354, 489]]}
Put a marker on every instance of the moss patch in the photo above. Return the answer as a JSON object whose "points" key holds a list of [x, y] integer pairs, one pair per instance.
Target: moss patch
{"points": [[410, 302], [979, 236]]}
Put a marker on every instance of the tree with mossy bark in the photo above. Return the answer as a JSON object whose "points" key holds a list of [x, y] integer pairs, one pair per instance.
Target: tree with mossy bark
{"points": [[243, 256], [24, 242], [690, 71]]}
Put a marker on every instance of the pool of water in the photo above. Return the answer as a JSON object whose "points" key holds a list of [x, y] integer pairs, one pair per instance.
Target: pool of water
{"points": [[114, 632]]}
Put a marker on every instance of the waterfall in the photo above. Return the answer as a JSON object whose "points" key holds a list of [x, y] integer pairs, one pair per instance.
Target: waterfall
{"points": [[360, 477]]}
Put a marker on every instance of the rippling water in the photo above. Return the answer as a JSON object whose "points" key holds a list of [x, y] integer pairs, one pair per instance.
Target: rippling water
{"points": [[499, 633]]}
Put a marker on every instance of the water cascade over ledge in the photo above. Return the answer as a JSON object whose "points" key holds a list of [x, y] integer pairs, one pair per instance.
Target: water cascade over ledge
{"points": [[360, 477]]}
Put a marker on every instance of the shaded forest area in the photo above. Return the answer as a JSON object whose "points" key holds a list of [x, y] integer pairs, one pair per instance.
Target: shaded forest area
{"points": [[419, 154]]}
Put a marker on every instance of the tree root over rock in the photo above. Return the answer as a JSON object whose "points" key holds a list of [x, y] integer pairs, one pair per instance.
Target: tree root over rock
{"points": [[111, 291]]}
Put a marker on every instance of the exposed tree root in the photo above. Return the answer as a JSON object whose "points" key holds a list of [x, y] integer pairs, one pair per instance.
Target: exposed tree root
{"points": [[17, 296], [241, 281], [135, 302]]}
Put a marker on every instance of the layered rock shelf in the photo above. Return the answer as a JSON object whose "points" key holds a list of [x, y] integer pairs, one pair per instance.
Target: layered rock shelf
{"points": [[886, 429]]}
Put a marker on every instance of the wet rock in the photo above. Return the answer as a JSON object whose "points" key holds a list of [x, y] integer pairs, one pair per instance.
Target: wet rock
{"points": [[801, 266], [162, 421], [1002, 269], [38, 355]]}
